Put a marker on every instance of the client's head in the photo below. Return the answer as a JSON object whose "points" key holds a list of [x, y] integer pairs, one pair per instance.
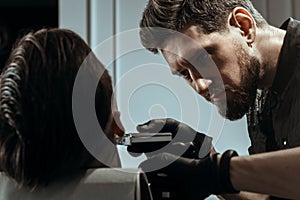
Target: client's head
{"points": [[38, 138]]}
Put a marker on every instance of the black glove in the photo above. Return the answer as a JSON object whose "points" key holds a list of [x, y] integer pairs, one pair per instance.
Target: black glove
{"points": [[184, 178], [186, 141]]}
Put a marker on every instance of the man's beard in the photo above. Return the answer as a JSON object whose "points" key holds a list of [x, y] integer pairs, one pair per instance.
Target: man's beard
{"points": [[239, 98]]}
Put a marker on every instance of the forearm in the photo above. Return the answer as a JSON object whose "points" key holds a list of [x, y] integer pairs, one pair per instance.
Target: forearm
{"points": [[244, 196], [275, 173]]}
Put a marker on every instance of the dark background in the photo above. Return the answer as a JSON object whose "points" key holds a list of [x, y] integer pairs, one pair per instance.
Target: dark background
{"points": [[17, 17]]}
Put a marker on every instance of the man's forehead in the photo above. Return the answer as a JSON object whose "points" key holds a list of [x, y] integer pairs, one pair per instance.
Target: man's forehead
{"points": [[177, 39], [182, 47], [189, 37]]}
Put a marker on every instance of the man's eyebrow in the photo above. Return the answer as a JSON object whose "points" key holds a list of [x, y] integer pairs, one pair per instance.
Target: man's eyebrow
{"points": [[180, 73], [196, 53]]}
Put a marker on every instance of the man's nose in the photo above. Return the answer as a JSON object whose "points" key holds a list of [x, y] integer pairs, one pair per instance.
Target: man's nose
{"points": [[202, 85]]}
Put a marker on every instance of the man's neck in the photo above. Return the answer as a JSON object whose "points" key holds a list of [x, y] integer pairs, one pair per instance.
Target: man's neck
{"points": [[268, 43]]}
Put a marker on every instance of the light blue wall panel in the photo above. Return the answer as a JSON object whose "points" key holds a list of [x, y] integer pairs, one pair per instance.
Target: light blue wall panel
{"points": [[73, 15], [102, 32], [102, 21]]}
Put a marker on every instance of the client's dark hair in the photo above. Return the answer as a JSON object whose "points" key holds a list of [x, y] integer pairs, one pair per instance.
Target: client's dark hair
{"points": [[38, 138]]}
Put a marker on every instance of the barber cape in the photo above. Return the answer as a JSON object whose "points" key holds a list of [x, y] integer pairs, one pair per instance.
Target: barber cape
{"points": [[101, 183]]}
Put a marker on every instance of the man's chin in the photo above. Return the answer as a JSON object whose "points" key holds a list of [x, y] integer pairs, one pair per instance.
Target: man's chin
{"points": [[232, 114]]}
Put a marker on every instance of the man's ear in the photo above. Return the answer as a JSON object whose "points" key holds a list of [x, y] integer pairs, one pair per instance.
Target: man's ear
{"points": [[242, 19]]}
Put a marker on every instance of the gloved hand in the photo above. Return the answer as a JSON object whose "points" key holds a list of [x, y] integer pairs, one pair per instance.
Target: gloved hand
{"points": [[189, 179], [186, 141]]}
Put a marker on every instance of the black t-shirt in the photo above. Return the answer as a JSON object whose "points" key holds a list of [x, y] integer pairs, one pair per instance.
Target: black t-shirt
{"points": [[274, 119]]}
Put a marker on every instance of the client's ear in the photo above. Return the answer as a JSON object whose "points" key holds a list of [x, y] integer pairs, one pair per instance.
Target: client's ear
{"points": [[117, 125]]}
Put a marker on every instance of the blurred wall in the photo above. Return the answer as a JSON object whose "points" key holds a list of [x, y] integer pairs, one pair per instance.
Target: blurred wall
{"points": [[276, 11], [20, 16], [99, 20]]}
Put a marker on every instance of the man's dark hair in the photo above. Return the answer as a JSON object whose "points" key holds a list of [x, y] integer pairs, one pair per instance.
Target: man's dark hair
{"points": [[38, 137], [209, 15]]}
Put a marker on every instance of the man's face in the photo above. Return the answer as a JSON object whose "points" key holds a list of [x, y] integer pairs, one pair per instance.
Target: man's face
{"points": [[218, 66]]}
